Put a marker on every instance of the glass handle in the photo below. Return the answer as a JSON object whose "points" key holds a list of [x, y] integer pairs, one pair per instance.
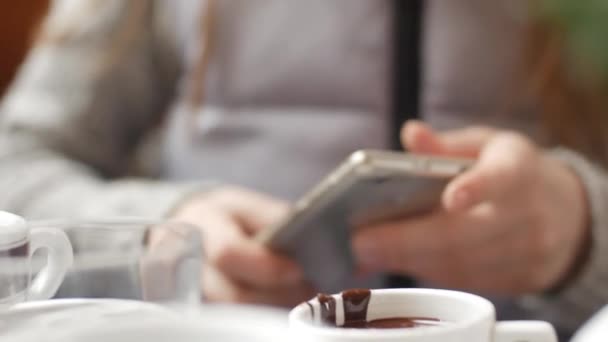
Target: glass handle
{"points": [[60, 259]]}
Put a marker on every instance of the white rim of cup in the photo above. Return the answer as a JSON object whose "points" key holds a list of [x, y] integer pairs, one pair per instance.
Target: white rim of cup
{"points": [[112, 223], [486, 309], [108, 223]]}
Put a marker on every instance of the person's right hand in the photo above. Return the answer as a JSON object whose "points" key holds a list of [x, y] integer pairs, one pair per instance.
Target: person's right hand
{"points": [[238, 269]]}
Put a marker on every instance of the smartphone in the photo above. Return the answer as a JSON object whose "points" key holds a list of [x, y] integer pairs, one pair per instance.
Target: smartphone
{"points": [[369, 187]]}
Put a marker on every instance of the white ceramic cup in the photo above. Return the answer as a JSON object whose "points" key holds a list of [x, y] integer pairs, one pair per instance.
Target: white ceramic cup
{"points": [[467, 317], [18, 244], [595, 330]]}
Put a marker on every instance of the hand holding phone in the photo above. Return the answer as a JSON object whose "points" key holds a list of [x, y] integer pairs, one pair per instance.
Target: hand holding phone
{"points": [[369, 187]]}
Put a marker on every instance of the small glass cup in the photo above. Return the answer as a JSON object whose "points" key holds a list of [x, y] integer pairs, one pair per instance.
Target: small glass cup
{"points": [[153, 261]]}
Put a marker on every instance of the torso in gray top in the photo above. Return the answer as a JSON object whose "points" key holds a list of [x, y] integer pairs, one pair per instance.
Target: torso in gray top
{"points": [[295, 86]]}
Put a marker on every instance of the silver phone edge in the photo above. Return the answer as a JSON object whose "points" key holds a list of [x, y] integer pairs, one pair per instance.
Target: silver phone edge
{"points": [[358, 163]]}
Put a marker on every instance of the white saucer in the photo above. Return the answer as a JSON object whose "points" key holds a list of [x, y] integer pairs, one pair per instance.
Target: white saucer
{"points": [[97, 320]]}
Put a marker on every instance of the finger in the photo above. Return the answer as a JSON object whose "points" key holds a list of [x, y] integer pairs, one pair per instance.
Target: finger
{"points": [[502, 265], [496, 281], [503, 166], [284, 296], [242, 259], [419, 138], [388, 246], [479, 256], [254, 211], [400, 245], [219, 288], [256, 266]]}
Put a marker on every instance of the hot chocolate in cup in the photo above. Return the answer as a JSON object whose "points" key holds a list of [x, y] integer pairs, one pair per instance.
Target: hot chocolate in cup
{"points": [[409, 315]]}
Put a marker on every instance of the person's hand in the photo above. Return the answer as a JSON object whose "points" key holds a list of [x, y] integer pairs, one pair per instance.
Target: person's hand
{"points": [[237, 268], [514, 223]]}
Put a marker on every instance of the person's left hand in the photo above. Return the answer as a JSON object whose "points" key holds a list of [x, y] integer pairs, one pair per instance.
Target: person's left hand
{"points": [[512, 224]]}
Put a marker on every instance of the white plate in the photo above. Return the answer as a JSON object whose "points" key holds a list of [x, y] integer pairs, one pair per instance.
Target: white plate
{"points": [[96, 320]]}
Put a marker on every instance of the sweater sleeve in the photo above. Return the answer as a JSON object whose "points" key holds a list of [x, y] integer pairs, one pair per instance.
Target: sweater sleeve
{"points": [[572, 305], [72, 120]]}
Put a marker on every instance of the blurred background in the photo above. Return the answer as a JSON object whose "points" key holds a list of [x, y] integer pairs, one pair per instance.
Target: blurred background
{"points": [[18, 24]]}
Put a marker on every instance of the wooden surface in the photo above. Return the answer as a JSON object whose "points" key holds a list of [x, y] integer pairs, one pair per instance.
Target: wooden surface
{"points": [[18, 23]]}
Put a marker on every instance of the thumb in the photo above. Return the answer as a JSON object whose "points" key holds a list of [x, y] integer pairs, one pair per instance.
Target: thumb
{"points": [[418, 137], [502, 165]]}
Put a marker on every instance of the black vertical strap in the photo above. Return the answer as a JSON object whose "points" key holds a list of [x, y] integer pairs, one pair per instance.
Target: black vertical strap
{"points": [[407, 37], [406, 70]]}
